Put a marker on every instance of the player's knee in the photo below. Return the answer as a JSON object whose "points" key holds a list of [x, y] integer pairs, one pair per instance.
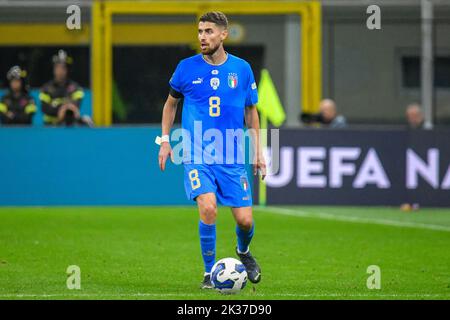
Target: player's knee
{"points": [[245, 223], [209, 212]]}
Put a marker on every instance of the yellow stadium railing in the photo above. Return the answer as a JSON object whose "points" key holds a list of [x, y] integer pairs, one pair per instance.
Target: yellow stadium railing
{"points": [[103, 39]]}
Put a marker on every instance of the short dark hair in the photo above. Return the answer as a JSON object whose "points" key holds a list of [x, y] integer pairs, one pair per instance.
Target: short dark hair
{"points": [[216, 17]]}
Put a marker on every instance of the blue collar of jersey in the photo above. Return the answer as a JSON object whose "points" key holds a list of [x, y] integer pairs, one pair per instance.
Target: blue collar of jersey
{"points": [[203, 57]]}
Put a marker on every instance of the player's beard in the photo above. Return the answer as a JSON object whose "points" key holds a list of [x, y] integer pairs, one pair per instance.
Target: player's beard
{"points": [[209, 51]]}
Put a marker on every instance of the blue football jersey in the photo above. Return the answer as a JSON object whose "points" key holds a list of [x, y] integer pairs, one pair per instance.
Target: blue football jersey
{"points": [[215, 97]]}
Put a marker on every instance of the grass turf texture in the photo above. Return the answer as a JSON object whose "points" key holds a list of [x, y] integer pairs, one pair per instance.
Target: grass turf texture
{"points": [[154, 253]]}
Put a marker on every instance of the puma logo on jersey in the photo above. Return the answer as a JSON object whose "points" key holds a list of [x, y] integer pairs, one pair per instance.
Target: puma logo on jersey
{"points": [[198, 81]]}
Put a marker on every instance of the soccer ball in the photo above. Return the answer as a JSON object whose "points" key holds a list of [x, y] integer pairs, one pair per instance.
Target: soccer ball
{"points": [[228, 275]]}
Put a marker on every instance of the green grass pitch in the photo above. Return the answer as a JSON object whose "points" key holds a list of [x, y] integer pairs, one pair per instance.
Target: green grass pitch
{"points": [[154, 252]]}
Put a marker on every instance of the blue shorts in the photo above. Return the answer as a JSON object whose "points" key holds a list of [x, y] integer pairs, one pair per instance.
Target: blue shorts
{"points": [[228, 182]]}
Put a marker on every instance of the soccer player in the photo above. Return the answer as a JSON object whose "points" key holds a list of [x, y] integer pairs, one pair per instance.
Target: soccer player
{"points": [[219, 92]]}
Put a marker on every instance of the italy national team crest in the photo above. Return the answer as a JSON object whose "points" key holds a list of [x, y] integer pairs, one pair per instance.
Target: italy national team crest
{"points": [[232, 80], [244, 183]]}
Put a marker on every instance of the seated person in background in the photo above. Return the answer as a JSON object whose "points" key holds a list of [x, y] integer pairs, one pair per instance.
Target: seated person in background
{"points": [[414, 116], [328, 115], [61, 97], [17, 107]]}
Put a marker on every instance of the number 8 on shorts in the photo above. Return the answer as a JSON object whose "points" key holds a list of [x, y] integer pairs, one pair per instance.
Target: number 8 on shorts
{"points": [[195, 181]]}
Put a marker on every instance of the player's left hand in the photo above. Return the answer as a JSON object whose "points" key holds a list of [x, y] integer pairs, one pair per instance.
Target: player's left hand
{"points": [[260, 166], [165, 151]]}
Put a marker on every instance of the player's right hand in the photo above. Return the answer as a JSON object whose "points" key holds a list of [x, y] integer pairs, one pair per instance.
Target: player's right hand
{"points": [[164, 152]]}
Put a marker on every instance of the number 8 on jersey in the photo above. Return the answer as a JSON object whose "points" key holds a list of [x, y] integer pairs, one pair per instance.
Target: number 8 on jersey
{"points": [[214, 106]]}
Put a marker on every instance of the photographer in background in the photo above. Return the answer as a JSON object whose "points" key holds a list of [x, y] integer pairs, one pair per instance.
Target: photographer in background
{"points": [[17, 107], [61, 97], [414, 116], [327, 118]]}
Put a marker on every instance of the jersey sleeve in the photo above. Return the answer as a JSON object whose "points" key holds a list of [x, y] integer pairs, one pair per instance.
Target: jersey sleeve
{"points": [[252, 92], [176, 81]]}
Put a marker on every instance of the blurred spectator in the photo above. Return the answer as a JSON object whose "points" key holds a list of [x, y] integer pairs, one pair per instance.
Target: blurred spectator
{"points": [[61, 97], [414, 116], [329, 116], [17, 107]]}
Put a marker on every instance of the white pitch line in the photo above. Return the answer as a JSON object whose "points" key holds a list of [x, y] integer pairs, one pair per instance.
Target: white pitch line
{"points": [[338, 217], [335, 295]]}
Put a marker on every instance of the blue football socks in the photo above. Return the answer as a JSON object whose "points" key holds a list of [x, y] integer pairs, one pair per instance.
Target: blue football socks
{"points": [[208, 244], [244, 238]]}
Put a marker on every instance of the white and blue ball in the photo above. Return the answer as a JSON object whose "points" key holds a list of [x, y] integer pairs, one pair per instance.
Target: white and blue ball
{"points": [[228, 275]]}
